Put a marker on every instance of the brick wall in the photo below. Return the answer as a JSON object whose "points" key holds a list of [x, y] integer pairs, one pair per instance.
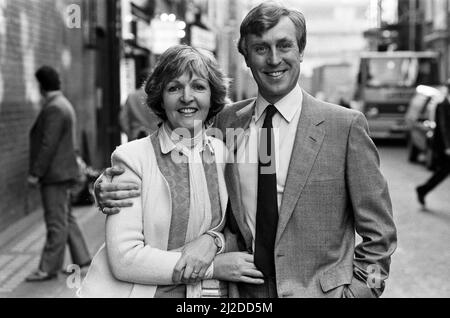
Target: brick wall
{"points": [[33, 33]]}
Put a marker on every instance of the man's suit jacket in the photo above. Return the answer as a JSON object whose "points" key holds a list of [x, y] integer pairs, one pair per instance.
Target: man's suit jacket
{"points": [[136, 118], [52, 142], [334, 187]]}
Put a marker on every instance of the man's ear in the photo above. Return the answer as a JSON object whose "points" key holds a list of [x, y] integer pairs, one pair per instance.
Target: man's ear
{"points": [[302, 54]]}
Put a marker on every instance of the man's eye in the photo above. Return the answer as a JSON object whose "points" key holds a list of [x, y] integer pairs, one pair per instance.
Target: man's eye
{"points": [[286, 46], [260, 49]]}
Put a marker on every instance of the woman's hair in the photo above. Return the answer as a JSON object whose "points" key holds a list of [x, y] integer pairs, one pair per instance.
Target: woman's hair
{"points": [[48, 78], [264, 17], [175, 62]]}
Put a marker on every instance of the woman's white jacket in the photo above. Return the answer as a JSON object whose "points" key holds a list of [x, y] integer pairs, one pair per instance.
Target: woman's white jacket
{"points": [[135, 259]]}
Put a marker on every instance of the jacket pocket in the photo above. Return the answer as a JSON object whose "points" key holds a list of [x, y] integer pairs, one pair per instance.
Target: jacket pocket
{"points": [[335, 277]]}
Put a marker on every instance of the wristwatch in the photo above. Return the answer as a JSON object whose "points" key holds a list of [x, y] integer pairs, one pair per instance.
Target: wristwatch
{"points": [[217, 240]]}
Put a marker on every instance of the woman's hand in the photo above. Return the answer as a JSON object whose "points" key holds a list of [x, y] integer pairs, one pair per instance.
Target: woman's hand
{"points": [[237, 267], [195, 260]]}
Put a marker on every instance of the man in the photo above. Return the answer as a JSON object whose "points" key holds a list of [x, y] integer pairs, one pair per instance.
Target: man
{"points": [[53, 167], [299, 219], [136, 119], [441, 148]]}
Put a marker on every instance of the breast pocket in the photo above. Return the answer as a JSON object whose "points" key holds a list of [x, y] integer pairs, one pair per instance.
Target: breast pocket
{"points": [[328, 166]]}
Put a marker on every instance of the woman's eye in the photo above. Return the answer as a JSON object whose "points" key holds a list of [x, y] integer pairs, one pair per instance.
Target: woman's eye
{"points": [[199, 87], [172, 89]]}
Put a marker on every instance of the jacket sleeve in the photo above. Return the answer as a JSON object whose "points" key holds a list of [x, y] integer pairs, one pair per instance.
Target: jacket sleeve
{"points": [[53, 128], [130, 258], [372, 208]]}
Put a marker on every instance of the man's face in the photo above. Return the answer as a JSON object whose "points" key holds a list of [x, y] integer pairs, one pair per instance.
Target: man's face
{"points": [[274, 59]]}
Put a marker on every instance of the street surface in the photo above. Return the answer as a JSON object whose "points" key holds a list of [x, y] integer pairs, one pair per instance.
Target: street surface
{"points": [[21, 253], [420, 266]]}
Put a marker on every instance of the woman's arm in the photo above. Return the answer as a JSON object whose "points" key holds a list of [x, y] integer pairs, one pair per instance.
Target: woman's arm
{"points": [[130, 259]]}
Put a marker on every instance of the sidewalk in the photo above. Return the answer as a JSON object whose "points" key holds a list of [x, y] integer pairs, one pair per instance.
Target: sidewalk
{"points": [[20, 248]]}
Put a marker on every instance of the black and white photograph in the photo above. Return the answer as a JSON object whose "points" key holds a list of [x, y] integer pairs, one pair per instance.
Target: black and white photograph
{"points": [[234, 151]]}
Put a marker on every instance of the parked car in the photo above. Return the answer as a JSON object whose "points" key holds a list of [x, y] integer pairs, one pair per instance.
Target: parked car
{"points": [[420, 120]]}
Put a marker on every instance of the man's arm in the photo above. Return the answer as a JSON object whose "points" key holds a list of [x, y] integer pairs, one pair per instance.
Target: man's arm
{"points": [[112, 197], [372, 208]]}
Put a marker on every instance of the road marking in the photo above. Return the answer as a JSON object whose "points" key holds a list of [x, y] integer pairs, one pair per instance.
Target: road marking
{"points": [[37, 246], [5, 259], [16, 279], [28, 240], [16, 264], [19, 258]]}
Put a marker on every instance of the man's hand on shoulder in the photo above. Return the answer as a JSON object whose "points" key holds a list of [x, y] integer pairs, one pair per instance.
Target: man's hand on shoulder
{"points": [[111, 197]]}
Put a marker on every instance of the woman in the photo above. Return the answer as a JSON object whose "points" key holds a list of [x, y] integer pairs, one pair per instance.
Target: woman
{"points": [[149, 247]]}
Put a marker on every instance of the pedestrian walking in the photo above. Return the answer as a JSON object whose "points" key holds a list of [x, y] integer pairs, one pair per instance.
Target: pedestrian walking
{"points": [[136, 119], [54, 168], [440, 148]]}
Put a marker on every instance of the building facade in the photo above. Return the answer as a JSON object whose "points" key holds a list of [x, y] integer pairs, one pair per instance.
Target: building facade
{"points": [[72, 37], [99, 47], [417, 25]]}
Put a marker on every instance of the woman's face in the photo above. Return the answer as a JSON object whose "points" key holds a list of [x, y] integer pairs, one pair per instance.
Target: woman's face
{"points": [[187, 100]]}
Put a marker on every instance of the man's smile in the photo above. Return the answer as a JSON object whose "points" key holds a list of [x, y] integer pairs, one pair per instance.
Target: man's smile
{"points": [[275, 74]]}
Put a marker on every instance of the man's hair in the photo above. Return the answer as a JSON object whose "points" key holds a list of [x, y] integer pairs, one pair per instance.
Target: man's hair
{"points": [[48, 78], [175, 62], [143, 76], [267, 15]]}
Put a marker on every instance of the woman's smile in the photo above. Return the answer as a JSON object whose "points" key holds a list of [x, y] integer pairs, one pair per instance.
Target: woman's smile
{"points": [[187, 101]]}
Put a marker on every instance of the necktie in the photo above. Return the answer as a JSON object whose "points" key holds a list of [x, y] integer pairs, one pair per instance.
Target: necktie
{"points": [[267, 206]]}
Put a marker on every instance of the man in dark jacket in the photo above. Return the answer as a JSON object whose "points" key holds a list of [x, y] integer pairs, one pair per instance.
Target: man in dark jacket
{"points": [[441, 148], [53, 166]]}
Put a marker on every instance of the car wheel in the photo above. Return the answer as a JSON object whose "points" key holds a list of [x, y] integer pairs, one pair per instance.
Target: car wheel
{"points": [[413, 152]]}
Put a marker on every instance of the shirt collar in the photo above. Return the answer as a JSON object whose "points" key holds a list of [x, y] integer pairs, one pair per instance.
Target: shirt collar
{"points": [[168, 145], [287, 106], [51, 95]]}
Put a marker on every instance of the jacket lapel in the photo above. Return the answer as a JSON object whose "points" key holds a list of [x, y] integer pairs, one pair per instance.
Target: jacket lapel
{"points": [[308, 141], [241, 122]]}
